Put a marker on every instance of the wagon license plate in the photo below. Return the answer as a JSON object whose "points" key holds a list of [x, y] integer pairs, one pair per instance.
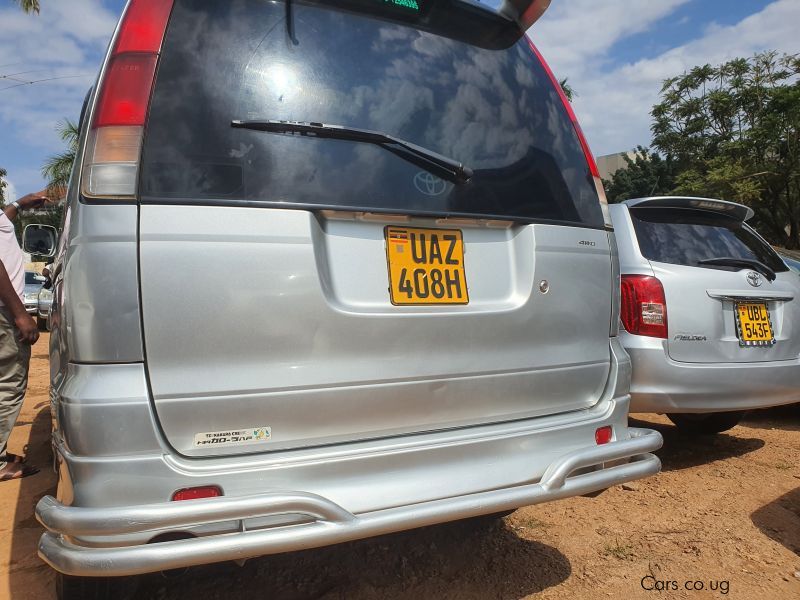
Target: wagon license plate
{"points": [[753, 325], [426, 266]]}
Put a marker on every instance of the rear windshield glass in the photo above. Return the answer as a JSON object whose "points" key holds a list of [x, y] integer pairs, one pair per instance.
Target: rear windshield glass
{"points": [[686, 237], [792, 263], [494, 110]]}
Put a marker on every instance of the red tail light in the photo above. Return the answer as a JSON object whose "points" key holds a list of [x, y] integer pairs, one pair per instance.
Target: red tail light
{"points": [[195, 493], [125, 93], [590, 161], [111, 160], [644, 307], [143, 27]]}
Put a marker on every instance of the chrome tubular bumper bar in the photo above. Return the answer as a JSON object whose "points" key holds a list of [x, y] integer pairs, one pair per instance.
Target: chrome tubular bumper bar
{"points": [[329, 522]]}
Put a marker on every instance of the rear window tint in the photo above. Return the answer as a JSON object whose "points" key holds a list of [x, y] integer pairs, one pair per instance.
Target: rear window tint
{"points": [[494, 110], [685, 237], [792, 263]]}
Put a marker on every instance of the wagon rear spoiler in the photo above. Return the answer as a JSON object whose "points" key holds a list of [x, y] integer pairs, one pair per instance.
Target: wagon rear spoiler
{"points": [[524, 12], [491, 24], [730, 209]]}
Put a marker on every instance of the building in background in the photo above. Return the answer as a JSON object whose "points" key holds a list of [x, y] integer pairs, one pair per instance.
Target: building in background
{"points": [[611, 163]]}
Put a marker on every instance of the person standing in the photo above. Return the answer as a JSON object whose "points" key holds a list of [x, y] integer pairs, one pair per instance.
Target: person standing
{"points": [[18, 331]]}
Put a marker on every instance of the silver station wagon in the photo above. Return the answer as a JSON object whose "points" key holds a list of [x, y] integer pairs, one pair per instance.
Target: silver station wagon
{"points": [[711, 313], [328, 270]]}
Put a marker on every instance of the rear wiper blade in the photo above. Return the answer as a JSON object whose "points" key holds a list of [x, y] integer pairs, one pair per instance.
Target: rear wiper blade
{"points": [[433, 162], [754, 264]]}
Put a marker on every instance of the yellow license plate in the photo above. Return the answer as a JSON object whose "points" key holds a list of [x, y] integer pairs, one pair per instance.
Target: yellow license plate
{"points": [[753, 325], [426, 266]]}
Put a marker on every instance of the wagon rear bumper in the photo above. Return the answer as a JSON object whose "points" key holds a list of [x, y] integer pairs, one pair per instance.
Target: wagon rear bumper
{"points": [[324, 522]]}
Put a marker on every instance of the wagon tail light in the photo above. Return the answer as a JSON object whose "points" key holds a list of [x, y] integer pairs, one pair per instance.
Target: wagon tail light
{"points": [[111, 158], [590, 161], [644, 307]]}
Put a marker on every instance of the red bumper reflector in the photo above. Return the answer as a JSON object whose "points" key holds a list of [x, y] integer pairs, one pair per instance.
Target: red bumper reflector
{"points": [[603, 435], [206, 491]]}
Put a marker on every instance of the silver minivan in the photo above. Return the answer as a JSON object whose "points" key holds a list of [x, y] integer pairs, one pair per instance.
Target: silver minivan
{"points": [[711, 313], [328, 270]]}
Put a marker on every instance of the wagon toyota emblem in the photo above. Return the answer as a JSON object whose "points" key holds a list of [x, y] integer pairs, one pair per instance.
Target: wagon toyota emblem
{"points": [[754, 279], [428, 184]]}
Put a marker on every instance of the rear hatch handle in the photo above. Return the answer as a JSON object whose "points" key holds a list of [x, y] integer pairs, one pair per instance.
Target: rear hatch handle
{"points": [[747, 296]]}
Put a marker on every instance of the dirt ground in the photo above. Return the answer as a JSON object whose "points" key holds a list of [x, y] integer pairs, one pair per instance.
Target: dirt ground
{"points": [[723, 518]]}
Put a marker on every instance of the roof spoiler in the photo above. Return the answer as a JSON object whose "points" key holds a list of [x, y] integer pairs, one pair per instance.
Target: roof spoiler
{"points": [[730, 209], [524, 12]]}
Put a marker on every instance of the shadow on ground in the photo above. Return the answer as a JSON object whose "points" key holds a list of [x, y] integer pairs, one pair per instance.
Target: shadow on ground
{"points": [[780, 520], [28, 576], [462, 560], [683, 451], [781, 417]]}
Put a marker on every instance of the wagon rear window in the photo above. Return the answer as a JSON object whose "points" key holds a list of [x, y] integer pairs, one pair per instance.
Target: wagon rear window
{"points": [[686, 237], [494, 110]]}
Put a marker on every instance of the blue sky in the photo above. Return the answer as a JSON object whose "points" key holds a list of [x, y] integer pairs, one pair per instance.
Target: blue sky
{"points": [[614, 52]]}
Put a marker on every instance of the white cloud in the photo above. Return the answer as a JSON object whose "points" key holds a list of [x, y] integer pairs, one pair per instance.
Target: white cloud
{"points": [[66, 41], [614, 101], [575, 35], [10, 191]]}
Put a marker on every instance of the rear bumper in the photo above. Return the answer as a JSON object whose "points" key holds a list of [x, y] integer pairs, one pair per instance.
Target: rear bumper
{"points": [[322, 521], [115, 486], [662, 385]]}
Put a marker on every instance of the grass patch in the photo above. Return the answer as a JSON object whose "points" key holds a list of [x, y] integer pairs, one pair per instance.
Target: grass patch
{"points": [[618, 551], [533, 523]]}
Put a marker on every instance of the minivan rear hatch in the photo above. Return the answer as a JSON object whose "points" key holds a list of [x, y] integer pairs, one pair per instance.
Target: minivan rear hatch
{"points": [[301, 290], [729, 296]]}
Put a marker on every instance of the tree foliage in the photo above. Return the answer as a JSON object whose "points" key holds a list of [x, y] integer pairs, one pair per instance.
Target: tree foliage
{"points": [[29, 6], [732, 131], [568, 90], [646, 174], [3, 184], [58, 167]]}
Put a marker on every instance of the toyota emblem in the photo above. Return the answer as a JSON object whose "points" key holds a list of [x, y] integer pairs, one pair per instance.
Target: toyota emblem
{"points": [[755, 279], [428, 184]]}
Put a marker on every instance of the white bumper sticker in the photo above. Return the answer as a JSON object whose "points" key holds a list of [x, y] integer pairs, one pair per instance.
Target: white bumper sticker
{"points": [[233, 437]]}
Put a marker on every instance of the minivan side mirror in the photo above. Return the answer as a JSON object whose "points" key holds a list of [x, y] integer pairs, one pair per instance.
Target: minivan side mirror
{"points": [[40, 240]]}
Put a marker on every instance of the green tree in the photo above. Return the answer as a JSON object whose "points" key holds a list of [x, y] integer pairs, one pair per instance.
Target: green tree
{"points": [[29, 6], [569, 91], [733, 132], [646, 174], [57, 168], [3, 184]]}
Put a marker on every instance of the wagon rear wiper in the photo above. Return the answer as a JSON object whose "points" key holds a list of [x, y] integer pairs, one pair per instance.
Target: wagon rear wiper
{"points": [[731, 261], [433, 162]]}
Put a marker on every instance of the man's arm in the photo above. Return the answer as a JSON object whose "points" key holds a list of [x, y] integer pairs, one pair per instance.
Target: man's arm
{"points": [[28, 332], [26, 202]]}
